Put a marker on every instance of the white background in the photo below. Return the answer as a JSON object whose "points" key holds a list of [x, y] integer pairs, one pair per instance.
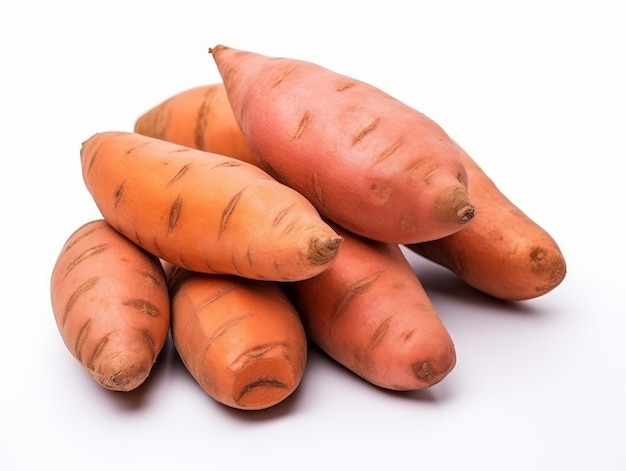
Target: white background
{"points": [[533, 90]]}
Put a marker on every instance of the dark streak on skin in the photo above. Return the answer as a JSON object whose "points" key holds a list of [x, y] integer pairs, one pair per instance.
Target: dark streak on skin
{"points": [[180, 149], [180, 173], [359, 137], [119, 192], [273, 383], [82, 236], [78, 292], [301, 125], [92, 159], [222, 292], [248, 256], [290, 227], [83, 333], [147, 338], [138, 239], [227, 163], [223, 329], [228, 211], [280, 215], [379, 334], [201, 117], [142, 305], [98, 351], [317, 189], [345, 86], [388, 151], [284, 73], [351, 293], [153, 280], [95, 250], [174, 213]]}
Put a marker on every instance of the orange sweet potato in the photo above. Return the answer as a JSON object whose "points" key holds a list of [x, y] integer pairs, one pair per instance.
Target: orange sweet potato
{"points": [[203, 211], [199, 117], [240, 339], [503, 253], [111, 305]]}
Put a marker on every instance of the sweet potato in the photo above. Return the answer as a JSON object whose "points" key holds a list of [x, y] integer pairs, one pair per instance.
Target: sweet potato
{"points": [[200, 117], [111, 305], [203, 211], [240, 339], [503, 253], [371, 314], [345, 144]]}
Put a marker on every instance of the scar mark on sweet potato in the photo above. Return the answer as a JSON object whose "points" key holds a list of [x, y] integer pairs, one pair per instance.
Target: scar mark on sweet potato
{"points": [[174, 213], [119, 193], [345, 86], [95, 250], [364, 132], [301, 125], [283, 74], [83, 334], [379, 333], [98, 351], [180, 173], [223, 329], [388, 152], [74, 297], [201, 117], [354, 290], [280, 215], [143, 306], [317, 189], [228, 211]]}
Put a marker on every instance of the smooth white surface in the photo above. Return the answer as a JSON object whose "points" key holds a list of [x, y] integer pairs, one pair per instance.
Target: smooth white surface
{"points": [[534, 91]]}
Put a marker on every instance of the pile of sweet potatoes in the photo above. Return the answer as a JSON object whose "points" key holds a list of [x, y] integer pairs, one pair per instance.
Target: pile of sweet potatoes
{"points": [[256, 214]]}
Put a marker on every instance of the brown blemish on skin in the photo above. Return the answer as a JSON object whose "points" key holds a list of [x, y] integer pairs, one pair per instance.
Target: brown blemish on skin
{"points": [[364, 132], [78, 292], [353, 291], [383, 192], [174, 213], [228, 211], [98, 351], [379, 333], [180, 173], [119, 192], [83, 334], [345, 86], [95, 250], [283, 74], [301, 125], [201, 117], [389, 151], [317, 189], [143, 306]]}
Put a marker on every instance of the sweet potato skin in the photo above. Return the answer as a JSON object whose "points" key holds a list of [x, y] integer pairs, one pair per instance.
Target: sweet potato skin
{"points": [[371, 314], [241, 339], [111, 305], [345, 144], [205, 212], [503, 253], [201, 118]]}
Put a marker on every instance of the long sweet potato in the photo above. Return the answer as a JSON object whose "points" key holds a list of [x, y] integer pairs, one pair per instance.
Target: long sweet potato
{"points": [[241, 339], [345, 144], [503, 253], [371, 314], [203, 211], [200, 117], [111, 305]]}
